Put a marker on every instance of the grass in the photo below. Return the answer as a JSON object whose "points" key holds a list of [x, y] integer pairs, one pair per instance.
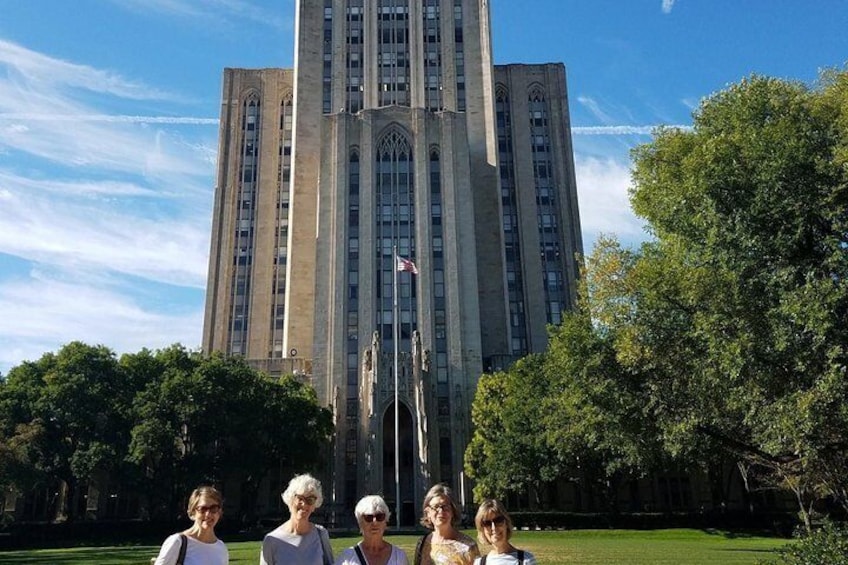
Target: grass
{"points": [[679, 546]]}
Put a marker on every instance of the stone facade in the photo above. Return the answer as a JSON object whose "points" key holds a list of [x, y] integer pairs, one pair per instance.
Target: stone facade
{"points": [[393, 135]]}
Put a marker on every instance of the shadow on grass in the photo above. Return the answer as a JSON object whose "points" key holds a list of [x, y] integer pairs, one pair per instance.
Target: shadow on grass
{"points": [[89, 555], [748, 550], [739, 534]]}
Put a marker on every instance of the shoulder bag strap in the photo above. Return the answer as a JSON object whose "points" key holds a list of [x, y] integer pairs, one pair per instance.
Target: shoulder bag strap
{"points": [[183, 547], [482, 560], [324, 535], [419, 548], [359, 554], [521, 556]]}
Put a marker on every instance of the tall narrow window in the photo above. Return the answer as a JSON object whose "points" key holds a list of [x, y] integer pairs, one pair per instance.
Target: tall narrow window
{"points": [[278, 288], [327, 73], [509, 207], [547, 210], [243, 248], [394, 227], [459, 55], [355, 54], [393, 52], [432, 55]]}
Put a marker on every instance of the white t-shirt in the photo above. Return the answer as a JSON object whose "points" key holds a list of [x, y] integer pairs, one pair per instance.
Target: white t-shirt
{"points": [[197, 552], [507, 559], [349, 557]]}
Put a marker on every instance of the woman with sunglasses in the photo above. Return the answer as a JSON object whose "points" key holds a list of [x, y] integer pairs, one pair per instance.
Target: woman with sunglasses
{"points": [[372, 515], [494, 528], [445, 545], [298, 541], [197, 545]]}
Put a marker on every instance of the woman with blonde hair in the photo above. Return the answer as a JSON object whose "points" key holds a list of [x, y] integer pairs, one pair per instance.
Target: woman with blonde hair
{"points": [[197, 545], [445, 545], [297, 541], [494, 528], [372, 514]]}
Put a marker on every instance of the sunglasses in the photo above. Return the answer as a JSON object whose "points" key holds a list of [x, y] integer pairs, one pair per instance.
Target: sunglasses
{"points": [[379, 516], [497, 521], [308, 500], [214, 509], [441, 507]]}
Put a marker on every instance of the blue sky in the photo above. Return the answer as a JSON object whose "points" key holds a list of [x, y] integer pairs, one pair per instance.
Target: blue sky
{"points": [[108, 126]]}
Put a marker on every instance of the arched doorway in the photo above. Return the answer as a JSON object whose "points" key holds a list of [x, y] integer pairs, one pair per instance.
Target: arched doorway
{"points": [[407, 476]]}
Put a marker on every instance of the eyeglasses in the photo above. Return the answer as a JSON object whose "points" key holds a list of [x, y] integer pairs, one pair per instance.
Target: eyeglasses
{"points": [[379, 516], [308, 500], [496, 521], [441, 507], [214, 509]]}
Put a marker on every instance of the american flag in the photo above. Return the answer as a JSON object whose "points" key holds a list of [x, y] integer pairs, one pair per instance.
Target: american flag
{"points": [[406, 265]]}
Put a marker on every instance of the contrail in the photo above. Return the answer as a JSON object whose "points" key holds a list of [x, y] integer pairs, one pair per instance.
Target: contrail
{"points": [[188, 120], [623, 130], [110, 119]]}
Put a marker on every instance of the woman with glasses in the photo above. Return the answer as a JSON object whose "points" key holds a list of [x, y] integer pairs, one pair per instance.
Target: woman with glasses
{"points": [[298, 541], [372, 515], [197, 545], [494, 528], [445, 545]]}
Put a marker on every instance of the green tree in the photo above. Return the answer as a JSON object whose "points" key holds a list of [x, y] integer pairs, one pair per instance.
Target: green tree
{"points": [[740, 305], [64, 418], [574, 412], [596, 417], [215, 419], [508, 451]]}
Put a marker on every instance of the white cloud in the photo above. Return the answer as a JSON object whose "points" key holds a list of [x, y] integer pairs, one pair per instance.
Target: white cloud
{"points": [[116, 208], [691, 103], [667, 5], [30, 67], [34, 82], [41, 313], [592, 105], [114, 119], [219, 11], [108, 234], [602, 186], [622, 130]]}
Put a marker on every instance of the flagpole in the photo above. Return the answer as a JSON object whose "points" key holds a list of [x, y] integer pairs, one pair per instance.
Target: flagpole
{"points": [[397, 349]]}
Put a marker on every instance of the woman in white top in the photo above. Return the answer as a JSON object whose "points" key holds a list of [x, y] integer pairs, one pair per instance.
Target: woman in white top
{"points": [[202, 546], [372, 515], [298, 541], [494, 528]]}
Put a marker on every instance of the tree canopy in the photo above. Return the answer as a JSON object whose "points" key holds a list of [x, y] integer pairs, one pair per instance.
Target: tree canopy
{"points": [[163, 421], [729, 327]]}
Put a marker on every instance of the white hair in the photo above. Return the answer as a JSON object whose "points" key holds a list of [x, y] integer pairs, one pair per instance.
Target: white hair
{"points": [[371, 504], [304, 485]]}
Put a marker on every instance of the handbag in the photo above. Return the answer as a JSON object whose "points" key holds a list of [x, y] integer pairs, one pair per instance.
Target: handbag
{"points": [[181, 556]]}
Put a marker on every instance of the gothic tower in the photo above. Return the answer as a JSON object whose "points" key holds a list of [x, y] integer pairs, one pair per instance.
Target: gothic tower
{"points": [[393, 132]]}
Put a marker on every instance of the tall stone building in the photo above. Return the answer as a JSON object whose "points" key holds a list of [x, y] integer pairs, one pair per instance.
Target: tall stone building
{"points": [[393, 131]]}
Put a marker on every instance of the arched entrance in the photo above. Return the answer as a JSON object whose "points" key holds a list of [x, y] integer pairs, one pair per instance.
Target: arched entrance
{"points": [[408, 515]]}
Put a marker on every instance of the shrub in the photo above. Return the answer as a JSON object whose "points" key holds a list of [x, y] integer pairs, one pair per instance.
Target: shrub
{"points": [[829, 545]]}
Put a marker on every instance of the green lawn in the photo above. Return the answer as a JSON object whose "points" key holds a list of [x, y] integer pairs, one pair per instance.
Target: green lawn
{"points": [[688, 547]]}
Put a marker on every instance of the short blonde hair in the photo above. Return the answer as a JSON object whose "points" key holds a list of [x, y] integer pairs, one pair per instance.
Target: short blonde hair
{"points": [[444, 491], [371, 504], [304, 484], [491, 508], [203, 491]]}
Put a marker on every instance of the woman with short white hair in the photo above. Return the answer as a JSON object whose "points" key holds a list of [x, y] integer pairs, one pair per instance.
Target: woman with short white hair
{"points": [[297, 541], [372, 515]]}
